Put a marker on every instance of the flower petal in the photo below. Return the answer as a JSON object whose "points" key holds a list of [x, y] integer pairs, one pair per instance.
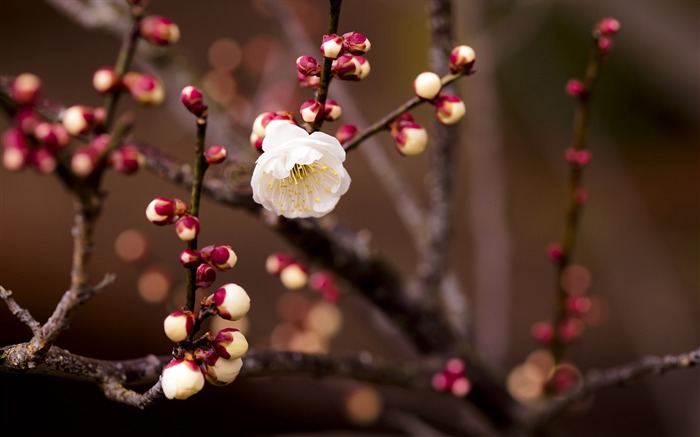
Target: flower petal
{"points": [[278, 133]]}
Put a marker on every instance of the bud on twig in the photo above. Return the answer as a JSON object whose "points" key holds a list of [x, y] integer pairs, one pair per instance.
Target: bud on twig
{"points": [[230, 343], [205, 276], [187, 228], [78, 119], [356, 43], [308, 66], [411, 139], [105, 80], [215, 154], [181, 379], [449, 109], [462, 58], [231, 301], [193, 99], [332, 46], [25, 89], [159, 30], [144, 88], [427, 85], [346, 133], [178, 326], [190, 258]]}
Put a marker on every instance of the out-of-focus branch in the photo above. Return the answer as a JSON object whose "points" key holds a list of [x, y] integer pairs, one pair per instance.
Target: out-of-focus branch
{"points": [[434, 255], [615, 376]]}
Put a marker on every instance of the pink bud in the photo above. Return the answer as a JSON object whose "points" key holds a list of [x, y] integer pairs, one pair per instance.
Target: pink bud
{"points": [[542, 332], [52, 135], [43, 160], [221, 371], [608, 26], [308, 66], [144, 88], [83, 162], [230, 343], [308, 81], [16, 151], [187, 228], [462, 59], [215, 154], [161, 211], [427, 85], [348, 67], [461, 387], [231, 301], [563, 379], [346, 133], [276, 262], [25, 89], [570, 329], [105, 80], [449, 109], [356, 43], [181, 379], [332, 46], [78, 119], [26, 119], [178, 326], [309, 110], [159, 30], [411, 139], [578, 157], [455, 366], [205, 276], [126, 159], [439, 382], [605, 44], [190, 258], [222, 257], [575, 88], [578, 305], [193, 99], [332, 110], [555, 252]]}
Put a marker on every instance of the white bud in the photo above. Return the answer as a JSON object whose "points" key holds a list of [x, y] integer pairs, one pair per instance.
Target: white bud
{"points": [[232, 302], [427, 85], [181, 379], [293, 277], [223, 371], [178, 325]]}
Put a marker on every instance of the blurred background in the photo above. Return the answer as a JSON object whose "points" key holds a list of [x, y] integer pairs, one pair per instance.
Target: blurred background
{"points": [[638, 241]]}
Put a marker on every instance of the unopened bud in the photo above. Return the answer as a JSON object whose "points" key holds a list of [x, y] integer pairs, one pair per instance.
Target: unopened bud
{"points": [[349, 67], [412, 139], [555, 252], [309, 110], [231, 301], [427, 85], [181, 379], [83, 162], [221, 371], [78, 119], [356, 43], [52, 135], [332, 46], [205, 276], [575, 88], [193, 100], [276, 262], [294, 276], [462, 58], [126, 159], [608, 26], [308, 81], [449, 109], [332, 110], [178, 326], [43, 160], [159, 30], [161, 211], [215, 154], [230, 343], [144, 88], [256, 142], [346, 133], [308, 66], [190, 258], [105, 80], [187, 228], [578, 157], [25, 89], [222, 257], [16, 151], [542, 332], [605, 44]]}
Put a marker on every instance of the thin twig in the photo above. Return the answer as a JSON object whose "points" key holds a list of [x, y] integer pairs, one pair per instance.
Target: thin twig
{"points": [[16, 310], [117, 392], [616, 376], [324, 83]]}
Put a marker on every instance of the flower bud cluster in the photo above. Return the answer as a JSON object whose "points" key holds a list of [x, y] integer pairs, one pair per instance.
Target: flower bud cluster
{"points": [[410, 138], [144, 88], [452, 378], [40, 143], [208, 261], [214, 358], [352, 42], [260, 126], [603, 34]]}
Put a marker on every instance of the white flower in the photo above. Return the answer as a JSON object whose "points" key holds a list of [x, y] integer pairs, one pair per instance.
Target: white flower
{"points": [[299, 175]]}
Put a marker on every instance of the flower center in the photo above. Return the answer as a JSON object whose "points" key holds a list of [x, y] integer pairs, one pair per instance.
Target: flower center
{"points": [[305, 185]]}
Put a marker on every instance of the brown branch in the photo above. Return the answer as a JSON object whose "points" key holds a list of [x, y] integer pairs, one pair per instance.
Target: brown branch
{"points": [[325, 82], [115, 391], [616, 376], [22, 314]]}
